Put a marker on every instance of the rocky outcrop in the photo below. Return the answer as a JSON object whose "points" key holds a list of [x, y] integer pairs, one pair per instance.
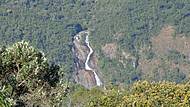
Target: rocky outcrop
{"points": [[85, 61]]}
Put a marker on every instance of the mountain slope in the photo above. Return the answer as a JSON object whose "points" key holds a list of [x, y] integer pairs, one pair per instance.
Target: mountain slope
{"points": [[121, 34]]}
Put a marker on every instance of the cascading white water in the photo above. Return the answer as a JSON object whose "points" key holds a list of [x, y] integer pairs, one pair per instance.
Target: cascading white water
{"points": [[98, 81]]}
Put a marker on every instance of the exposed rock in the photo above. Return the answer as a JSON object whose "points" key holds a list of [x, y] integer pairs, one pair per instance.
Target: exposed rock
{"points": [[85, 78], [80, 52]]}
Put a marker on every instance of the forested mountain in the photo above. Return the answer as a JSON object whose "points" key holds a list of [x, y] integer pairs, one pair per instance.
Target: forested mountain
{"points": [[127, 26], [130, 40]]}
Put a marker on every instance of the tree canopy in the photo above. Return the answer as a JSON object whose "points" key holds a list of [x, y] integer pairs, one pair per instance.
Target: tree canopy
{"points": [[25, 71]]}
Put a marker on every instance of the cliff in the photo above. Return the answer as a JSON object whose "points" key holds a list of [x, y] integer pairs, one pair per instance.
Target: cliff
{"points": [[85, 61]]}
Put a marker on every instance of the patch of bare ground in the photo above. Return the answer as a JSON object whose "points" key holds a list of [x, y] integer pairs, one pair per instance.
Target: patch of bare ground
{"points": [[148, 65], [166, 41], [148, 68], [110, 50], [161, 45]]}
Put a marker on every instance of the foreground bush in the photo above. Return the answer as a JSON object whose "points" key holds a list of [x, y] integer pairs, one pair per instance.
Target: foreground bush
{"points": [[146, 94], [3, 101], [26, 78], [158, 94]]}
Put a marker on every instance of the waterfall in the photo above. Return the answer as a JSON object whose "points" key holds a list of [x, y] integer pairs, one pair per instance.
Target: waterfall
{"points": [[98, 81], [77, 37]]}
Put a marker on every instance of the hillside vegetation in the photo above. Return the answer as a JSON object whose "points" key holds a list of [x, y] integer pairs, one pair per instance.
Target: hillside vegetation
{"points": [[131, 26], [138, 45], [27, 79], [125, 25]]}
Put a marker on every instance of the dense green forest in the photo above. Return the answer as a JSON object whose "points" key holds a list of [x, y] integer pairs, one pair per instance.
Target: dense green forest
{"points": [[131, 24], [50, 26], [27, 79], [133, 40]]}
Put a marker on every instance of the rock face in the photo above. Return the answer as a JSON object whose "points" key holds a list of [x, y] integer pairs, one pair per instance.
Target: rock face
{"points": [[80, 51]]}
